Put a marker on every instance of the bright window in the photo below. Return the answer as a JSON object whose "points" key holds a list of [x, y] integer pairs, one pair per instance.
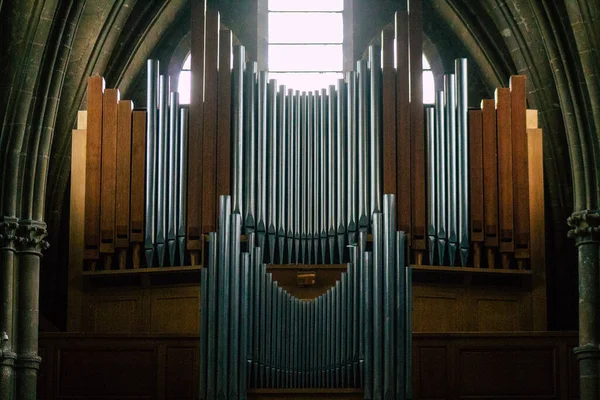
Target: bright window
{"points": [[428, 83], [305, 43], [185, 81]]}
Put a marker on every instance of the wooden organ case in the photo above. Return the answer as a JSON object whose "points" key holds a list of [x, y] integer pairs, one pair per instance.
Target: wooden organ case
{"points": [[308, 174]]}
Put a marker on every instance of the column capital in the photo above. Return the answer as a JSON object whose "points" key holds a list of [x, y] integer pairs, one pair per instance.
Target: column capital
{"points": [[585, 226], [28, 361], [588, 351], [31, 237], [8, 232]]}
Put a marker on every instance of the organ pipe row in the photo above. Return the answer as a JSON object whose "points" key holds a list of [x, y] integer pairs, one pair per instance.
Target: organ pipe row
{"points": [[306, 170], [136, 177], [256, 335]]}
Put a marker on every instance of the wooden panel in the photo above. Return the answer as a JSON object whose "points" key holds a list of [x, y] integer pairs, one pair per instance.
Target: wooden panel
{"points": [[490, 173], [305, 394], [436, 309], [209, 145], [138, 162], [433, 373], [403, 139], [124, 114], [224, 128], [476, 170], [181, 378], [520, 165], [419, 199], [109, 171], [389, 112], [107, 373], [517, 373], [326, 277], [537, 226], [76, 228], [505, 172], [183, 302], [194, 189], [93, 168], [116, 313], [82, 117], [498, 315]]}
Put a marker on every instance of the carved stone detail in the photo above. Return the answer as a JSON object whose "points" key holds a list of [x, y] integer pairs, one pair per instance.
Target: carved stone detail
{"points": [[585, 225], [31, 236], [8, 231]]}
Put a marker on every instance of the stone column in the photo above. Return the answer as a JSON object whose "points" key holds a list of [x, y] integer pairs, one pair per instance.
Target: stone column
{"points": [[8, 356], [31, 235], [586, 232]]}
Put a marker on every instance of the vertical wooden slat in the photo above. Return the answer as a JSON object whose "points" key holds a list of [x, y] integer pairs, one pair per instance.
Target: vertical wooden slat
{"points": [[490, 177], [138, 162], [389, 112], [403, 137], [124, 114], [109, 174], [520, 167], [194, 190], [537, 231], [93, 169], [505, 175], [224, 128], [209, 145], [76, 229], [476, 184], [419, 203]]}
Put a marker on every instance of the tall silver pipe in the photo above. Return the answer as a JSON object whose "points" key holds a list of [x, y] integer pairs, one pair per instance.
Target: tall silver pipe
{"points": [[223, 260], [367, 293], [292, 154], [352, 160], [440, 171], [151, 144], [363, 146], [432, 176], [376, 120], [234, 305], [331, 185], [340, 145], [324, 173], [203, 367], [342, 347], [173, 179], [211, 326], [356, 299], [281, 133], [237, 129], [463, 158], [258, 319], [261, 159], [401, 310], [312, 172], [305, 103], [339, 332], [162, 170], [298, 175], [268, 336], [377, 289], [272, 167], [250, 147], [245, 321], [362, 271], [389, 293], [450, 90], [184, 117]]}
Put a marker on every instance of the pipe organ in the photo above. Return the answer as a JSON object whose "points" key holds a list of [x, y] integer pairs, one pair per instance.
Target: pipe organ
{"points": [[259, 336], [359, 173]]}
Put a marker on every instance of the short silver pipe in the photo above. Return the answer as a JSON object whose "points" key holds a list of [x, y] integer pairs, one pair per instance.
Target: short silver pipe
{"points": [[237, 128], [162, 169], [281, 133], [152, 68], [272, 167], [432, 176], [184, 118], [341, 163], [363, 146], [376, 122], [352, 160], [440, 168], [173, 179], [452, 162]]}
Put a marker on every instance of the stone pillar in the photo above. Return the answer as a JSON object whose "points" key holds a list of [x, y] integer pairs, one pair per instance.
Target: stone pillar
{"points": [[586, 232], [8, 356], [31, 235]]}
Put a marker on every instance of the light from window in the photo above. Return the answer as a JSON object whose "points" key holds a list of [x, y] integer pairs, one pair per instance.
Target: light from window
{"points": [[428, 83], [305, 43], [184, 85], [292, 27], [306, 5]]}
